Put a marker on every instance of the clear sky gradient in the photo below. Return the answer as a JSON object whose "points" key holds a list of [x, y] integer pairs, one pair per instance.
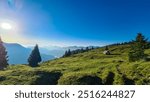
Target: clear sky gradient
{"points": [[74, 22]]}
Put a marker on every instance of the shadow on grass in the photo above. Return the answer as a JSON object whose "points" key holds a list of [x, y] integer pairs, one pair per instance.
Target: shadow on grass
{"points": [[110, 78], [115, 54], [90, 80], [47, 78], [147, 59], [2, 78], [128, 81]]}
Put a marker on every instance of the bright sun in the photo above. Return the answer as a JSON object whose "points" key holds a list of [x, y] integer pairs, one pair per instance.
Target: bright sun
{"points": [[6, 26]]}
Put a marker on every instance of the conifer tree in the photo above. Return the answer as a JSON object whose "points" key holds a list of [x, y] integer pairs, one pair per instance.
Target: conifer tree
{"points": [[92, 48], [106, 48], [69, 52], [137, 48], [34, 57], [87, 49], [82, 50], [65, 55], [3, 56]]}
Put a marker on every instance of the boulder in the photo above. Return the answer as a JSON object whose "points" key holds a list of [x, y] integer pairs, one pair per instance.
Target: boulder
{"points": [[106, 52]]}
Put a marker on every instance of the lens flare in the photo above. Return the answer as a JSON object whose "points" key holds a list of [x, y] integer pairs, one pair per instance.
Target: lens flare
{"points": [[6, 26]]}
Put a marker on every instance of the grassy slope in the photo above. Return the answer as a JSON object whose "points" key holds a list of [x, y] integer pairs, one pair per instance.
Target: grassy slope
{"points": [[91, 67]]}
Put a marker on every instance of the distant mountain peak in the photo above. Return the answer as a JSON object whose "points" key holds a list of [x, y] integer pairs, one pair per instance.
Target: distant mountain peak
{"points": [[19, 54]]}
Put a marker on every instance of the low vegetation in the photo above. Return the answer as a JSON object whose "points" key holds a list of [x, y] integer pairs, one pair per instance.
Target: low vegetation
{"points": [[87, 68], [91, 68]]}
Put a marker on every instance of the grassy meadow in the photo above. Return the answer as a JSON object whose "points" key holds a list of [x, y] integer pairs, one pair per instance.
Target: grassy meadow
{"points": [[88, 68]]}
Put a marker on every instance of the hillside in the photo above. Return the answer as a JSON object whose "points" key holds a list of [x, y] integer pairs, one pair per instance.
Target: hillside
{"points": [[17, 52], [92, 68]]}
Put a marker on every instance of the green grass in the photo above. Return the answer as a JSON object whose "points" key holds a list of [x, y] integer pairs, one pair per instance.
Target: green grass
{"points": [[91, 67]]}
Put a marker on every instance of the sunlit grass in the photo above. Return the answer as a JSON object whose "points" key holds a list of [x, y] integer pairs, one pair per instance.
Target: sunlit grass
{"points": [[76, 68]]}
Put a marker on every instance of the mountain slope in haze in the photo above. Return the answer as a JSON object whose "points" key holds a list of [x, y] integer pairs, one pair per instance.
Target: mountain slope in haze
{"points": [[60, 51], [88, 68], [18, 54]]}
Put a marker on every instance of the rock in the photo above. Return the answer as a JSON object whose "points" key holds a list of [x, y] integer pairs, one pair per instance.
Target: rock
{"points": [[106, 52]]}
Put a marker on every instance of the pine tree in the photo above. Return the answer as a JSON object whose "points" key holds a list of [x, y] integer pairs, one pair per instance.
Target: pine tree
{"points": [[106, 48], [3, 56], [65, 55], [69, 52], [92, 48], [137, 48], [82, 50], [87, 49], [34, 57]]}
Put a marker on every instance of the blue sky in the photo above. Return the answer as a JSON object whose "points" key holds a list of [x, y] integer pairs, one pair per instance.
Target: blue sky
{"points": [[74, 22]]}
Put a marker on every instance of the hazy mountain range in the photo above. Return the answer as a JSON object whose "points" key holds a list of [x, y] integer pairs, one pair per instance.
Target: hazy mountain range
{"points": [[19, 54]]}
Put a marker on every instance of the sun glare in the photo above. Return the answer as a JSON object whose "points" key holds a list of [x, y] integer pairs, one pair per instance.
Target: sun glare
{"points": [[6, 26]]}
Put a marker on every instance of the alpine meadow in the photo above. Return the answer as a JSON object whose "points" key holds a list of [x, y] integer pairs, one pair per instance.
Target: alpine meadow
{"points": [[74, 42], [87, 67]]}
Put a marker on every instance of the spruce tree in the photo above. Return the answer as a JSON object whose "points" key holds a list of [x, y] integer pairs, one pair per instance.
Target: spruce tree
{"points": [[87, 49], [82, 50], [92, 48], [137, 48], [106, 48], [3, 56], [65, 55], [34, 57], [69, 52]]}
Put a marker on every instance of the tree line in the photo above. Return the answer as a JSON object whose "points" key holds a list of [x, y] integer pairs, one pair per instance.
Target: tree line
{"points": [[69, 52], [136, 51]]}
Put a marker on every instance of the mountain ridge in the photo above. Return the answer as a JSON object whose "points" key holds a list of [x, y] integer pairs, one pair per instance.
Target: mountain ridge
{"points": [[18, 54], [87, 68], [17, 51]]}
